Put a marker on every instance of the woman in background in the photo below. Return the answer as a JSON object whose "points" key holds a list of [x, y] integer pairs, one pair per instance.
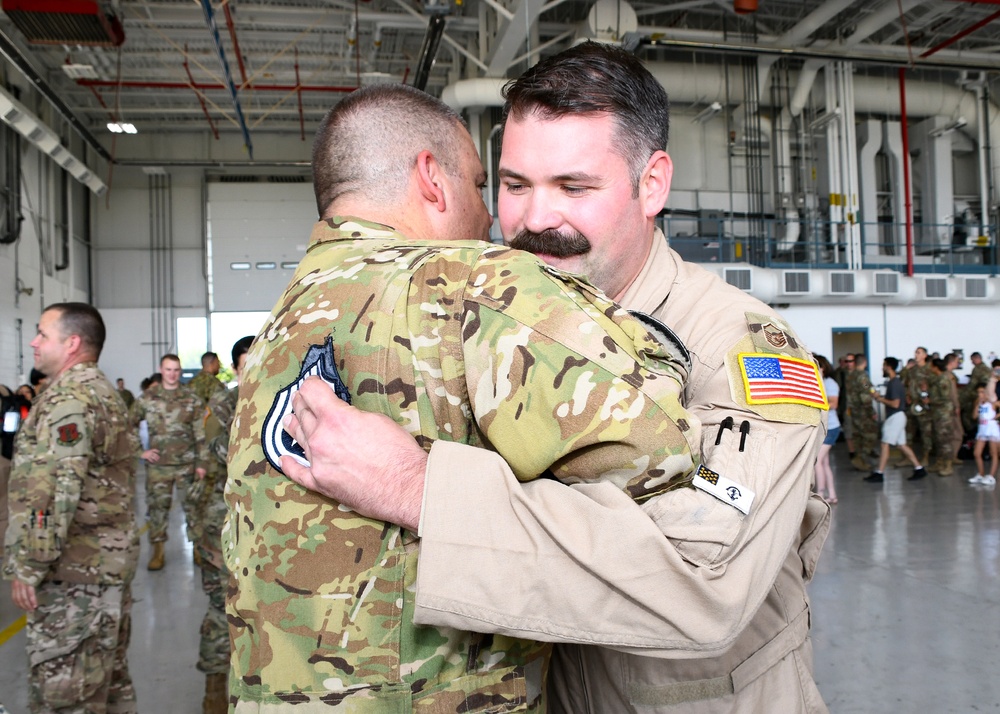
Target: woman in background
{"points": [[824, 474]]}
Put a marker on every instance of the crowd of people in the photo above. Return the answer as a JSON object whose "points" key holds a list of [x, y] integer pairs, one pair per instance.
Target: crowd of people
{"points": [[927, 412]]}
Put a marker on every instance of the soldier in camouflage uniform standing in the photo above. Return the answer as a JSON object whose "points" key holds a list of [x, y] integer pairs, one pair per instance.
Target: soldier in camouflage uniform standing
{"points": [[941, 406], [863, 419], [213, 651], [460, 341], [175, 417], [206, 382], [72, 543], [919, 426], [980, 377]]}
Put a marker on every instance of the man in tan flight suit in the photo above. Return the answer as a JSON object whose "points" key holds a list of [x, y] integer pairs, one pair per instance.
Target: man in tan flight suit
{"points": [[694, 601]]}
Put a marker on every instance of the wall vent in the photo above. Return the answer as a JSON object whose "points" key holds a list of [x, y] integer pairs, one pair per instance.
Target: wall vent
{"points": [[841, 283], [975, 288], [936, 288], [795, 282], [887, 283], [741, 278]]}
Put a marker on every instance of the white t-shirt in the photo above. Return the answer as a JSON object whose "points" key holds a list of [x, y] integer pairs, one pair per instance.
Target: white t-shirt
{"points": [[832, 390]]}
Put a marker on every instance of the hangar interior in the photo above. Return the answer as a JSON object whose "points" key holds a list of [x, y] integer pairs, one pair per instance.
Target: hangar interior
{"points": [[155, 152], [839, 159]]}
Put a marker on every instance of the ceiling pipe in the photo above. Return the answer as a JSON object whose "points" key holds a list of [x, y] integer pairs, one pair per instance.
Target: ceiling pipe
{"points": [[210, 86], [14, 56], [230, 86], [432, 40]]}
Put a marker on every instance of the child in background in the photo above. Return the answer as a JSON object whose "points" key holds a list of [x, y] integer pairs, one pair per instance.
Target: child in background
{"points": [[988, 432]]}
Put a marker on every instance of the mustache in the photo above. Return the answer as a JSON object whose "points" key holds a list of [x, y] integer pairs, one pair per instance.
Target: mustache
{"points": [[551, 242]]}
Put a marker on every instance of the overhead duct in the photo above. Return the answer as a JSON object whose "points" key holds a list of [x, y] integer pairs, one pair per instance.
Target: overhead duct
{"points": [[66, 22]]}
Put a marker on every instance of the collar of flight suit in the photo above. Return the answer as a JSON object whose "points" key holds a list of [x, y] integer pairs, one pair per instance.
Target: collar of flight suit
{"points": [[652, 285], [349, 228]]}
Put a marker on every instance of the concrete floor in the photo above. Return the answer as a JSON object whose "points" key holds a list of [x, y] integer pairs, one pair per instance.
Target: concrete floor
{"points": [[906, 603]]}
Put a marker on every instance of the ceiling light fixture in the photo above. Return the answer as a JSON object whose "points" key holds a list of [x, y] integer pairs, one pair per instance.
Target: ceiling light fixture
{"points": [[948, 128], [122, 128], [824, 120], [707, 113]]}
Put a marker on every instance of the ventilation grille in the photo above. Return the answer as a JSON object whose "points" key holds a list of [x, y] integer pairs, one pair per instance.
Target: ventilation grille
{"points": [[936, 288], [841, 283], [886, 283], [795, 282], [741, 278], [250, 178], [66, 22], [975, 288]]}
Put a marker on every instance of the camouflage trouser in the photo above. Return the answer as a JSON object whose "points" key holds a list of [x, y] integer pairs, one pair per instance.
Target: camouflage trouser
{"points": [[4, 478], [160, 482], [77, 643], [920, 432], [213, 648], [865, 432], [944, 435]]}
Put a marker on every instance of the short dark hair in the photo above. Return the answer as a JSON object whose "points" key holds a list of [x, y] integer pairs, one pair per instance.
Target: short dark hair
{"points": [[170, 356], [975, 354], [595, 78], [892, 362], [241, 347], [82, 320], [208, 357], [369, 142]]}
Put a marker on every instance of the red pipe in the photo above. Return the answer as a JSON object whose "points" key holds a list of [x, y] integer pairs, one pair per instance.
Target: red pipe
{"points": [[204, 109], [908, 198], [967, 31], [236, 44], [206, 86]]}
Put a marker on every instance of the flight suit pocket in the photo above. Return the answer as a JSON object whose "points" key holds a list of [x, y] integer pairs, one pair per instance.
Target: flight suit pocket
{"points": [[708, 528], [73, 664]]}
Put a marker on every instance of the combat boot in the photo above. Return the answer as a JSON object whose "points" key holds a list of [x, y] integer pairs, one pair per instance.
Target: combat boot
{"points": [[215, 701], [860, 463], [158, 559], [944, 467]]}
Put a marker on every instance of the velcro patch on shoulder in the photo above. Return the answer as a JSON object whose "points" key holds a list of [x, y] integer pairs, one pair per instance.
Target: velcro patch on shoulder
{"points": [[770, 378], [666, 337], [725, 489], [319, 362]]}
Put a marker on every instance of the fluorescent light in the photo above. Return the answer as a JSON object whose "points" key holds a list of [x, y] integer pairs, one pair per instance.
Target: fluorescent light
{"points": [[707, 113], [130, 128], [948, 128], [824, 120], [114, 127]]}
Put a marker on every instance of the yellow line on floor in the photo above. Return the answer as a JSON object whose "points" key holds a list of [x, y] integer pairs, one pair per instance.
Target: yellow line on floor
{"points": [[12, 629]]}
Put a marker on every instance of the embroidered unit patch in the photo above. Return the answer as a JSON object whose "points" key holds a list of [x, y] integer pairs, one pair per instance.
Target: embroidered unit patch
{"points": [[319, 362], [68, 434], [724, 489], [779, 379]]}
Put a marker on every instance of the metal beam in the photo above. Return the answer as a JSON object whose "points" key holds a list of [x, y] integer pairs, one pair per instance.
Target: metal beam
{"points": [[512, 36], [230, 85]]}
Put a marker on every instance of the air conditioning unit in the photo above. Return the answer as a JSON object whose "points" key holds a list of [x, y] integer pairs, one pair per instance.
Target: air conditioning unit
{"points": [[976, 289], [841, 283], [936, 288], [886, 283], [66, 22], [741, 278], [795, 282]]}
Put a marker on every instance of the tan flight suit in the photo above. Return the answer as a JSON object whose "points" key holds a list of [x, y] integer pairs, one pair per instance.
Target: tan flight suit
{"points": [[718, 607]]}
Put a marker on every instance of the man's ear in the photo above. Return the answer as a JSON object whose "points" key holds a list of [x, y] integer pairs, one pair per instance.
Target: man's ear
{"points": [[431, 181], [654, 187]]}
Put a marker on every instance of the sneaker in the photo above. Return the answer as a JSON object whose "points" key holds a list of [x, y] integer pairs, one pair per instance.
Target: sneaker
{"points": [[918, 473], [989, 481], [978, 478], [874, 477]]}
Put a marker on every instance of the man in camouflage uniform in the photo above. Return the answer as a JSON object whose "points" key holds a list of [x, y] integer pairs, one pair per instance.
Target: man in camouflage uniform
{"points": [[174, 415], [213, 650], [456, 341], [940, 405], [864, 423], [919, 426], [206, 382], [72, 542], [980, 377], [125, 394]]}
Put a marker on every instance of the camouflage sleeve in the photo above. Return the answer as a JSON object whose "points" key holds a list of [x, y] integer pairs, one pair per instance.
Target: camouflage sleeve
{"points": [[200, 413], [576, 388], [58, 469]]}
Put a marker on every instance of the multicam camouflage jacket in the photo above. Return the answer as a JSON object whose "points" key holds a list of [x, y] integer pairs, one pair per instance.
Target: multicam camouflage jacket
{"points": [[214, 450], [72, 486], [205, 384], [175, 420], [466, 342], [859, 393]]}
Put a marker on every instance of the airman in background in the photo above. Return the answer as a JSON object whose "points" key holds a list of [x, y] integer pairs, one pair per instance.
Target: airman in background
{"points": [[125, 394], [206, 382], [864, 421]]}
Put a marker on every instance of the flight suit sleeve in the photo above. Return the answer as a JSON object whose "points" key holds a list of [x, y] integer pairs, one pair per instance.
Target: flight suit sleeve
{"points": [[679, 575], [58, 469]]}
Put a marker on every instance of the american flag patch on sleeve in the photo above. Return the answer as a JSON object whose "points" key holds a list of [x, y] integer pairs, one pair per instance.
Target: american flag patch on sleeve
{"points": [[780, 379]]}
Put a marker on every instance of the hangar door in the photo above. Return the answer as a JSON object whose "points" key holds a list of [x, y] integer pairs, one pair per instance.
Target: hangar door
{"points": [[258, 229]]}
